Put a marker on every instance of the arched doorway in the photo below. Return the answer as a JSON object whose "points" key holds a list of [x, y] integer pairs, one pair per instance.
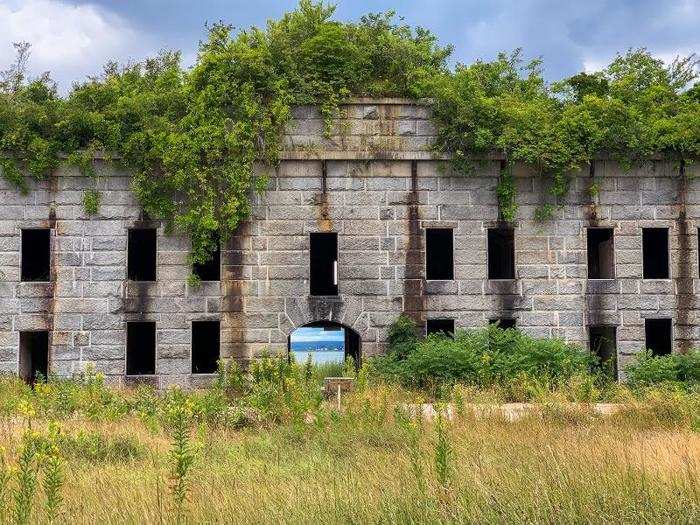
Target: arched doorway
{"points": [[325, 342]]}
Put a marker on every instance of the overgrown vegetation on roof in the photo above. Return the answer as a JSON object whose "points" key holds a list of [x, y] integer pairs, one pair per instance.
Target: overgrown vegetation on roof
{"points": [[192, 136]]}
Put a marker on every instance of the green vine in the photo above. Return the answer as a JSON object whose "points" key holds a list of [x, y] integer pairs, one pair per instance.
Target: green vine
{"points": [[594, 190], [91, 201], [506, 191], [193, 138], [636, 107], [201, 141]]}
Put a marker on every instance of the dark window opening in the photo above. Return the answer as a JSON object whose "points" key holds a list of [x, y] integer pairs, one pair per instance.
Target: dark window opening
{"points": [[601, 253], [504, 323], [501, 253], [140, 348], [142, 254], [210, 270], [655, 253], [205, 346], [36, 255], [325, 342], [440, 326], [603, 345], [33, 356], [324, 264], [439, 254], [658, 336]]}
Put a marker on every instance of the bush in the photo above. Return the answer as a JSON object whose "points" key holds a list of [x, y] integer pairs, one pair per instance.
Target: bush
{"points": [[402, 337], [662, 406], [486, 357], [682, 369]]}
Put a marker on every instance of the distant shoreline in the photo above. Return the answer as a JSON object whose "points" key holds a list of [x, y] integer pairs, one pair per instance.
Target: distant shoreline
{"points": [[319, 357]]}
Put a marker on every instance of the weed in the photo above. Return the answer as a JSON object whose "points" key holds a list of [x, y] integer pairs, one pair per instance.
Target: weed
{"points": [[27, 470], [5, 478], [413, 426], [53, 482], [182, 452], [91, 201], [443, 452]]}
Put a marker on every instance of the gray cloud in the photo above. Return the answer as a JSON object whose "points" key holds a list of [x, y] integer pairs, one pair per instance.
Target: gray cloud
{"points": [[569, 36]]}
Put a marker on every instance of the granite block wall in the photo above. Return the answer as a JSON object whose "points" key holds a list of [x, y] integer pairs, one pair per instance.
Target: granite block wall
{"points": [[377, 184]]}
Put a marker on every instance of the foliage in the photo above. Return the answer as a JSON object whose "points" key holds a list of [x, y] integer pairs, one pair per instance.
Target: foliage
{"points": [[402, 336], [487, 357], [413, 426], [636, 107], [97, 448], [193, 138], [451, 468], [272, 390], [680, 369], [91, 201], [443, 452], [506, 193], [182, 453], [201, 141], [27, 472], [53, 482], [357, 466], [5, 478]]}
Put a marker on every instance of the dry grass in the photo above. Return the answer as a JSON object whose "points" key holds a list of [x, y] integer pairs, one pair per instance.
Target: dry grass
{"points": [[355, 468]]}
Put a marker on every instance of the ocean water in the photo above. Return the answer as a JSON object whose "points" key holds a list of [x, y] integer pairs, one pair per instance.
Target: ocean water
{"points": [[319, 356]]}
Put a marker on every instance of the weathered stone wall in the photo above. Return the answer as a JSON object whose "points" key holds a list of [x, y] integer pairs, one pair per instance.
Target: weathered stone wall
{"points": [[375, 182]]}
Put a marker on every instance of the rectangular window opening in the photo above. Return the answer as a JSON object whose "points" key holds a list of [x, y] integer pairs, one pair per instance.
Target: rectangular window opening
{"points": [[324, 264], [601, 253], [142, 254], [655, 253], [210, 270], [658, 336], [437, 326], [504, 322], [140, 348], [33, 356], [439, 254], [36, 255], [603, 344], [205, 346], [501, 253]]}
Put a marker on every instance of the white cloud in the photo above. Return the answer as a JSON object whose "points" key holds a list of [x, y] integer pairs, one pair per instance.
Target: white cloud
{"points": [[316, 334], [71, 41], [598, 63]]}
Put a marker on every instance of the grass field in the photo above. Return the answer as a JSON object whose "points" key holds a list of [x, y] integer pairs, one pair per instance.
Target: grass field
{"points": [[365, 463]]}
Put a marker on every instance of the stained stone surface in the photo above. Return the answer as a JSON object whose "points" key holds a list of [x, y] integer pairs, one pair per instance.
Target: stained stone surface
{"points": [[376, 182]]}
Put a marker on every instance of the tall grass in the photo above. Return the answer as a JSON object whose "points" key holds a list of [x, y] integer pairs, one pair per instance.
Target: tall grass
{"points": [[360, 467], [269, 449]]}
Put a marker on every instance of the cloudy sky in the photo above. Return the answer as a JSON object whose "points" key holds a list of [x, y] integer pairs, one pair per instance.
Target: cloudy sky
{"points": [[74, 38], [315, 334]]}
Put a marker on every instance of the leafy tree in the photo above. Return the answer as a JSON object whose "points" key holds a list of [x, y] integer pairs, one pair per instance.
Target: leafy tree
{"points": [[200, 141]]}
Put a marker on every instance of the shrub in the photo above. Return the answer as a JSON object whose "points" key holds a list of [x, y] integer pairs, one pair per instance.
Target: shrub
{"points": [[402, 337], [664, 405], [682, 369], [489, 356]]}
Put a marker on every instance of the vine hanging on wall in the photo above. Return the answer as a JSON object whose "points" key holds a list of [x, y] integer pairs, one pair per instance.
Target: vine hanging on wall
{"points": [[193, 138]]}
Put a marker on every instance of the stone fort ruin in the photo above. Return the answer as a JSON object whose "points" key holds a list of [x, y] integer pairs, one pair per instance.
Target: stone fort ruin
{"points": [[355, 229]]}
